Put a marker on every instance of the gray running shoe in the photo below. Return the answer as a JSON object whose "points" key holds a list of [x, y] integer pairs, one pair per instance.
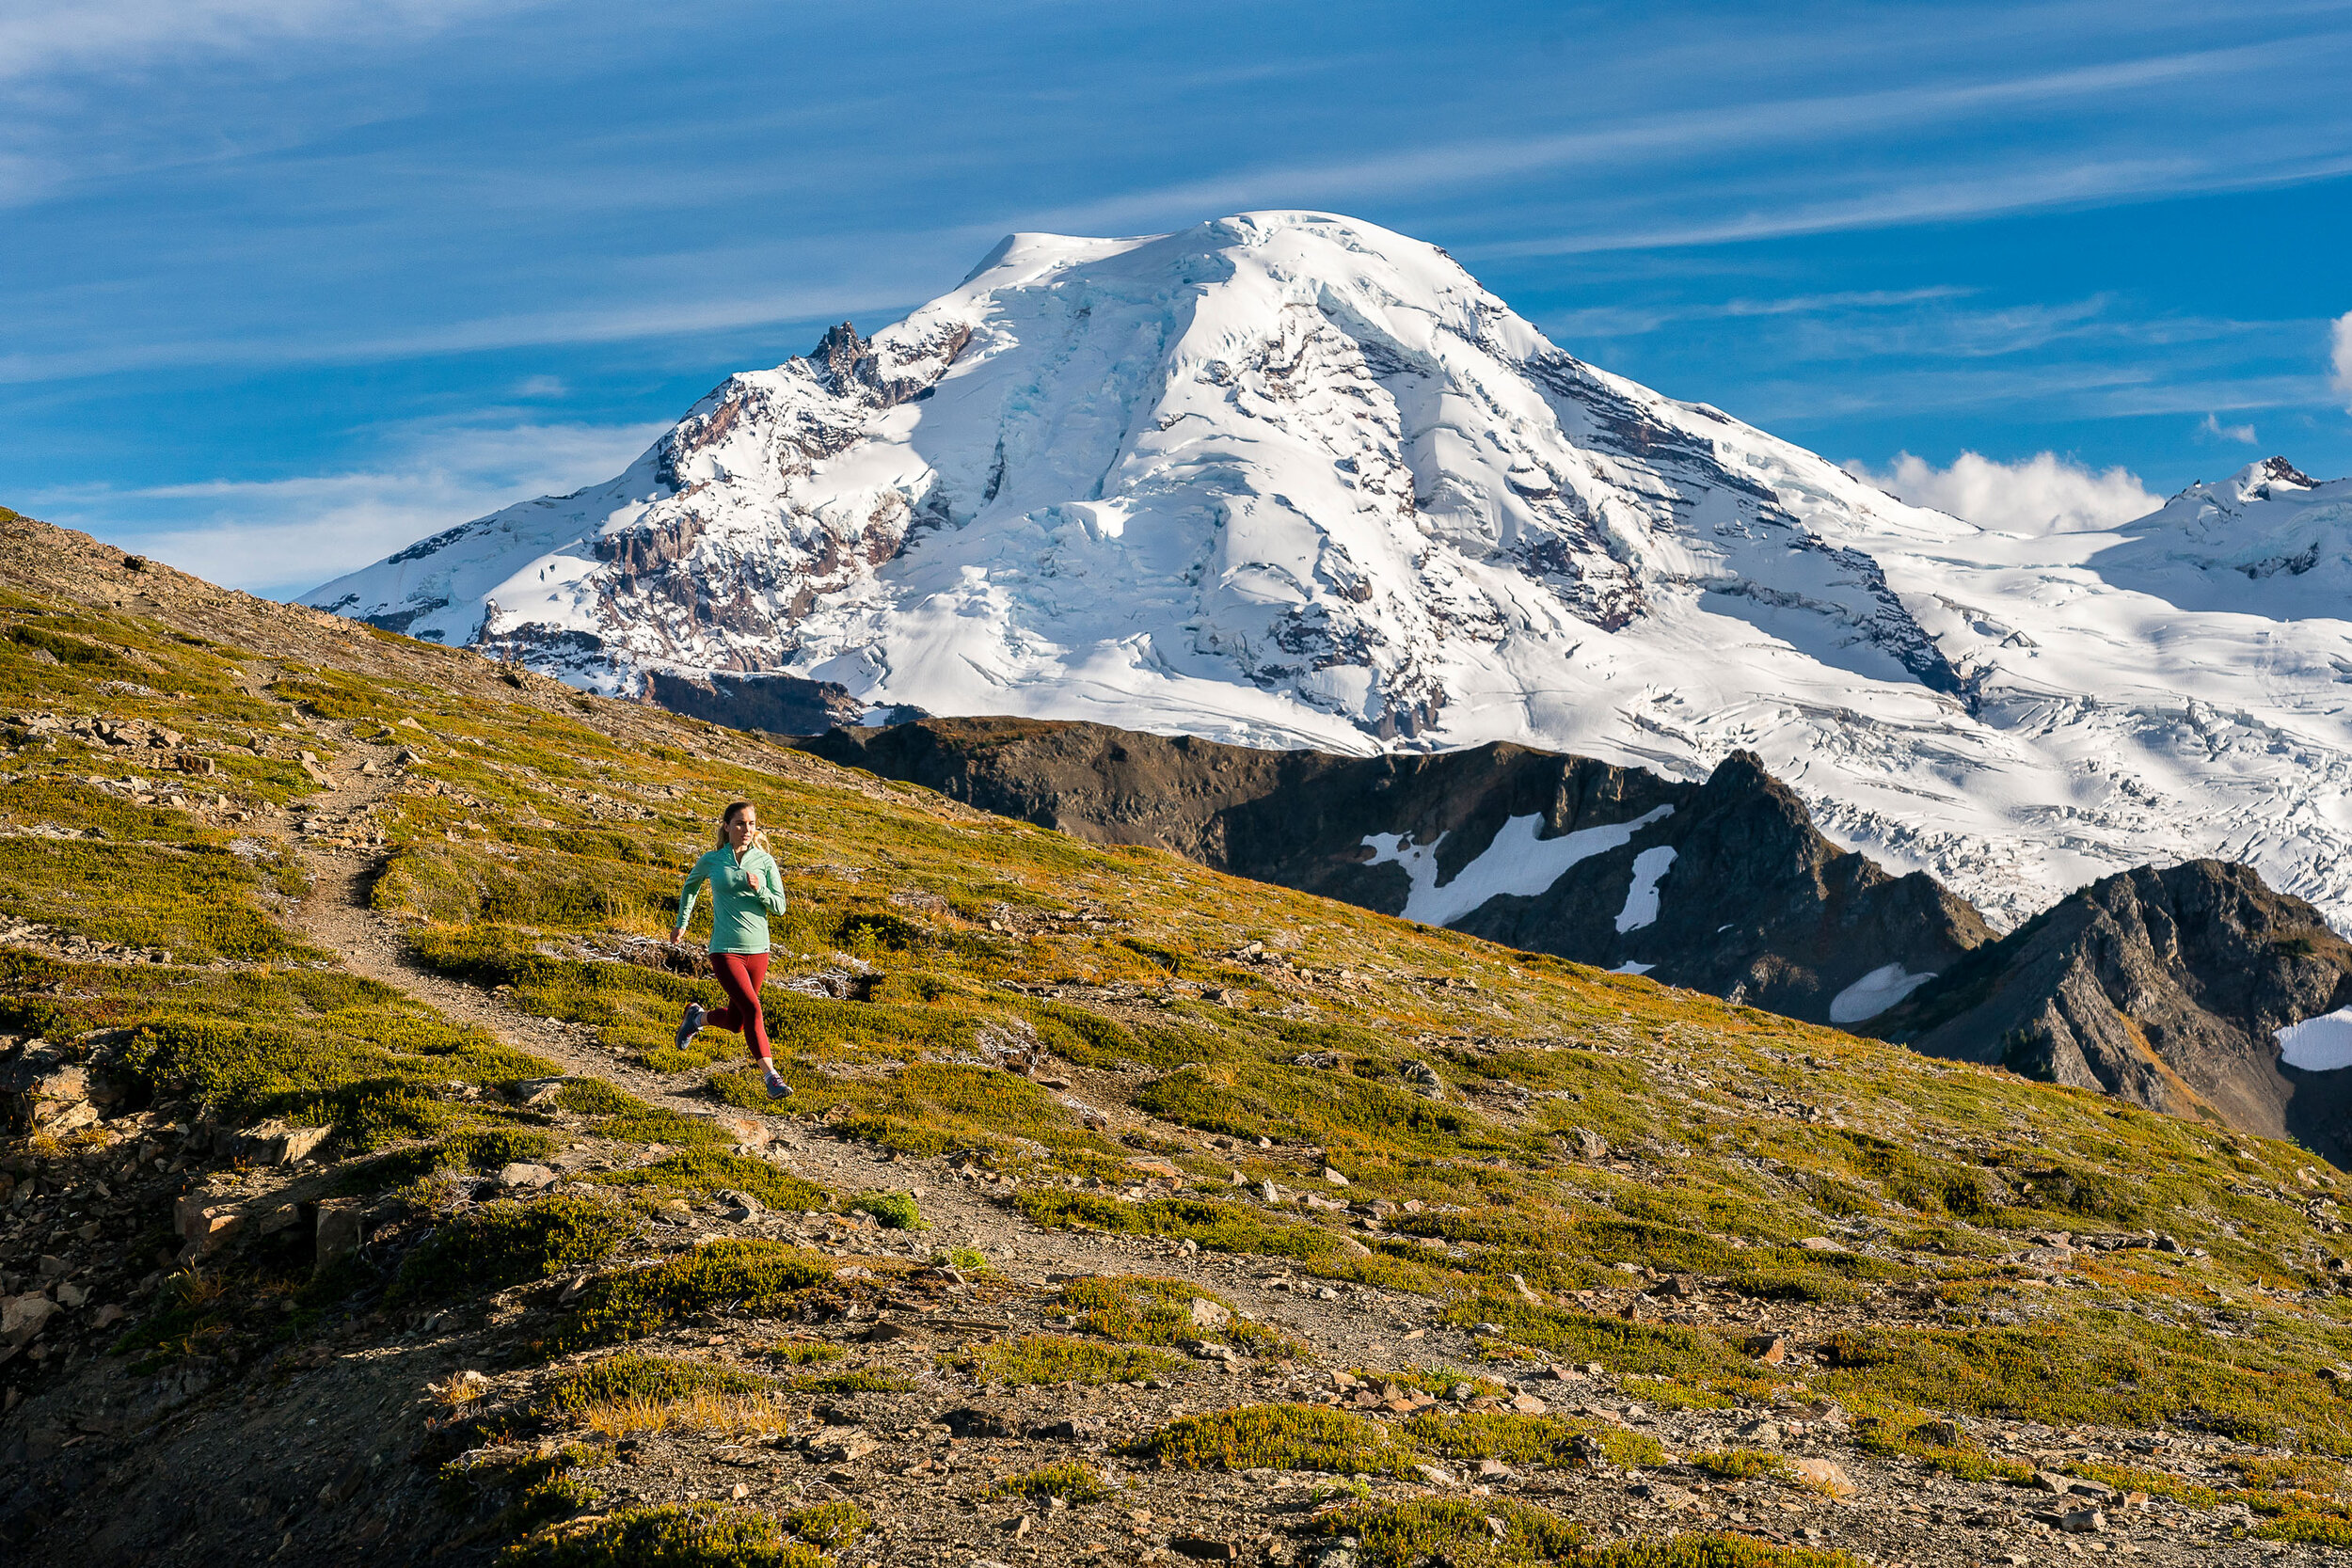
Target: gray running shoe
{"points": [[690, 1026]]}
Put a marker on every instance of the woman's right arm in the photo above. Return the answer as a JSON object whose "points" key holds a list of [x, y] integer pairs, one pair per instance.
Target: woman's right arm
{"points": [[695, 877]]}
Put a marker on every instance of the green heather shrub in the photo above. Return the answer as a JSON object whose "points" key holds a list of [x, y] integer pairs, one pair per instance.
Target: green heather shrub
{"points": [[373, 1064], [1738, 1464], [1054, 1359], [1706, 1551], [806, 1353], [1451, 1529], [1663, 1349], [1148, 1309], [761, 1276], [891, 1211], [1216, 1226], [709, 1170], [1276, 1437], [1519, 1439], [629, 1376], [510, 1243], [667, 1535], [865, 1380], [1778, 1285], [1069, 1480]]}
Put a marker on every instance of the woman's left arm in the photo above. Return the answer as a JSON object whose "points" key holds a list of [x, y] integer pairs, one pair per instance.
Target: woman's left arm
{"points": [[768, 884]]}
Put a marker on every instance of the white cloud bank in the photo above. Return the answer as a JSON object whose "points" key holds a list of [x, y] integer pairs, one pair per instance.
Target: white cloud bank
{"points": [[2341, 330], [279, 537], [2043, 494]]}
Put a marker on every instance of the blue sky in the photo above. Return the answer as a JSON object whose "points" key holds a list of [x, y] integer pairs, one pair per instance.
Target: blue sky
{"points": [[287, 283]]}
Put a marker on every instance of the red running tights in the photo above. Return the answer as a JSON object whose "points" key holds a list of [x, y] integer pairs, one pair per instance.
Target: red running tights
{"points": [[741, 974]]}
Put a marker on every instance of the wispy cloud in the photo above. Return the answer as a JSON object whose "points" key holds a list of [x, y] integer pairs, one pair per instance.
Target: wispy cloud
{"points": [[281, 536], [660, 318], [2212, 429], [2043, 494], [41, 40], [1747, 129]]}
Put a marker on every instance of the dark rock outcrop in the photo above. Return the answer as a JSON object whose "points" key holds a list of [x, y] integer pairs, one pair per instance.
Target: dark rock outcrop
{"points": [[2167, 988], [781, 704], [1751, 901]]}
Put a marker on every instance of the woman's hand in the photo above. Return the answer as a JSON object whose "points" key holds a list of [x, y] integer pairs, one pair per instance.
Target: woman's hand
{"points": [[678, 936]]}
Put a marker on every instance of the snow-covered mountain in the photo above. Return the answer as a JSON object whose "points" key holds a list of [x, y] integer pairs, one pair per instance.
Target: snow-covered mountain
{"points": [[1287, 478]]}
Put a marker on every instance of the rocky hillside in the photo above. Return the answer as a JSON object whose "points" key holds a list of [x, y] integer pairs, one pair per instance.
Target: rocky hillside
{"points": [[2169, 987], [359, 1204], [1721, 886]]}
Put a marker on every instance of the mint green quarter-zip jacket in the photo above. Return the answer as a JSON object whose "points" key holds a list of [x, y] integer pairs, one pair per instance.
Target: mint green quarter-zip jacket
{"points": [[742, 896]]}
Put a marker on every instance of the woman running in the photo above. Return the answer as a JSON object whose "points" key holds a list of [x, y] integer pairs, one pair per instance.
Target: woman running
{"points": [[745, 889]]}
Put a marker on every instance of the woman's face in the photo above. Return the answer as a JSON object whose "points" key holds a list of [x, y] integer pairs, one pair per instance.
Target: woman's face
{"points": [[741, 827]]}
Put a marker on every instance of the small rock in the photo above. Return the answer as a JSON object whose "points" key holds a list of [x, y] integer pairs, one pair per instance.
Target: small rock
{"points": [[23, 1317], [1209, 1314], [1818, 1244], [275, 1143], [1937, 1434], [741, 1207], [1527, 1291], [2083, 1521], [1764, 1432], [70, 1294], [527, 1176], [1528, 1404], [845, 1451], [1494, 1467], [1824, 1477], [970, 1422], [1770, 1349], [1436, 1475], [1074, 1429], [1200, 1551], [1333, 1177]]}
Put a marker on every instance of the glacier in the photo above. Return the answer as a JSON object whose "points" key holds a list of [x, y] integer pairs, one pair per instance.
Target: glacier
{"points": [[1291, 479]]}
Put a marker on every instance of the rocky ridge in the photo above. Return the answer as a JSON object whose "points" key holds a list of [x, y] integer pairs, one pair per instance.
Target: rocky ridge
{"points": [[1723, 886], [2169, 988]]}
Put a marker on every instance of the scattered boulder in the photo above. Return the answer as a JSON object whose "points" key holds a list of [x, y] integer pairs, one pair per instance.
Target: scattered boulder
{"points": [[45, 1090], [1209, 1314], [278, 1143], [1823, 1476]]}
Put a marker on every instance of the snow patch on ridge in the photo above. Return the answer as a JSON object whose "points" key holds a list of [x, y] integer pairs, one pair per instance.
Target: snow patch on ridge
{"points": [[1875, 992], [1516, 864], [1640, 896], [2321, 1044]]}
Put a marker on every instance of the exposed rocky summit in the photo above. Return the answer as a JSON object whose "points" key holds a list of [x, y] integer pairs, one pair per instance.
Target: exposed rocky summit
{"points": [[1723, 886], [2167, 988]]}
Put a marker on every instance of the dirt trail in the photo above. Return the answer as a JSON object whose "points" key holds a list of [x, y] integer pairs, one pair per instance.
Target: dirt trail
{"points": [[337, 916]]}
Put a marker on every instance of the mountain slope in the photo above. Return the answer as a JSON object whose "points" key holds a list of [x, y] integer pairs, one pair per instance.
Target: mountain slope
{"points": [[1721, 886], [328, 972], [1291, 479], [2168, 987]]}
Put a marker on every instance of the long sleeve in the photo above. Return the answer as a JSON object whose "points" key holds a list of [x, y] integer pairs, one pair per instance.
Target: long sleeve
{"points": [[696, 875]]}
